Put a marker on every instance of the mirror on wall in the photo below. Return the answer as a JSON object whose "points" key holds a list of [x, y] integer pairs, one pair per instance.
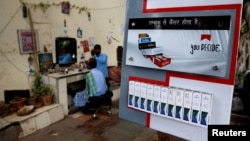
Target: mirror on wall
{"points": [[66, 51]]}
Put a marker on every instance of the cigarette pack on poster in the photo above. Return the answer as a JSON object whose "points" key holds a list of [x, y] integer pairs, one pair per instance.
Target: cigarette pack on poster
{"points": [[136, 102], [156, 107], [164, 94], [163, 109], [159, 60], [171, 102], [170, 111], [206, 108], [137, 88], [147, 45], [163, 100], [187, 103], [130, 100], [196, 107], [157, 95], [150, 91], [206, 102], [171, 95], [143, 96], [137, 93], [150, 97], [144, 40], [131, 92], [142, 104], [179, 97], [152, 51], [149, 105], [143, 90], [179, 104], [142, 35], [131, 89]]}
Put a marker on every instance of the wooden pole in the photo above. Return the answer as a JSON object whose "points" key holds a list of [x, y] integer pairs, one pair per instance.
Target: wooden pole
{"points": [[35, 51]]}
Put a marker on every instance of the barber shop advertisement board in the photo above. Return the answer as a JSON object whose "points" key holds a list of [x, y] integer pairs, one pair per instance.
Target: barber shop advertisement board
{"points": [[189, 47]]}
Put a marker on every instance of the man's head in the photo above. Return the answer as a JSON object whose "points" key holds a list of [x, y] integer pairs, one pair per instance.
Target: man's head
{"points": [[91, 63], [97, 49]]}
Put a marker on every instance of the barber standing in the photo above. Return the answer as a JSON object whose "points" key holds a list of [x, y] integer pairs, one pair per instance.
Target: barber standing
{"points": [[101, 60]]}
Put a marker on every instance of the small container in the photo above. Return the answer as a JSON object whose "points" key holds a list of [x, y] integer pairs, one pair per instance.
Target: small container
{"points": [[66, 70]]}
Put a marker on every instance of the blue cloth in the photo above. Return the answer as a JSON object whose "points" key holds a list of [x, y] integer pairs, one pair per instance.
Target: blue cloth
{"points": [[65, 59], [95, 86], [102, 64], [79, 99]]}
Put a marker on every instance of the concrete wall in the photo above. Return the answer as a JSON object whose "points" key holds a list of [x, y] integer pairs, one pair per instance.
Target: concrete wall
{"points": [[107, 19]]}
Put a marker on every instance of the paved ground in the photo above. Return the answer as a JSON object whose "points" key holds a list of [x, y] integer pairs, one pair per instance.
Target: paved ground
{"points": [[80, 127], [102, 129]]}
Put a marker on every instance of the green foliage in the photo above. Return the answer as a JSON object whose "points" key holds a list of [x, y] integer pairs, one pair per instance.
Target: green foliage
{"points": [[45, 5], [43, 90], [38, 87]]}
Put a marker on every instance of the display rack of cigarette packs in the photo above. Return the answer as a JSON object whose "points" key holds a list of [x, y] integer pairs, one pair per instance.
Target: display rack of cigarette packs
{"points": [[180, 104], [150, 51]]}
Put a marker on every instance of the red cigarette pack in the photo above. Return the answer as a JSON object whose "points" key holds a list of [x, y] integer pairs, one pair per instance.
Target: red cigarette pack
{"points": [[159, 60]]}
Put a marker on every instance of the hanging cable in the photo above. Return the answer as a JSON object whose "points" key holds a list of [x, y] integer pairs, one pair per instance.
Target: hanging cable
{"points": [[12, 17], [11, 62]]}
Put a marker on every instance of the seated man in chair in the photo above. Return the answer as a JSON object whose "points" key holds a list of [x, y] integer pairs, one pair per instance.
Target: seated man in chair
{"points": [[95, 85]]}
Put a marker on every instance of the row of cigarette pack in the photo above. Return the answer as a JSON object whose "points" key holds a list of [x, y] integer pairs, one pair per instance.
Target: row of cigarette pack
{"points": [[189, 106]]}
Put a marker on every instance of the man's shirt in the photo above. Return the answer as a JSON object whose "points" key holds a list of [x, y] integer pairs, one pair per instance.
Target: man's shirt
{"points": [[95, 86], [101, 61]]}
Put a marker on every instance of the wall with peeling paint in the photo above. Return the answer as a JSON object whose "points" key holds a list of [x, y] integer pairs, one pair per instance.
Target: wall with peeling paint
{"points": [[107, 21]]}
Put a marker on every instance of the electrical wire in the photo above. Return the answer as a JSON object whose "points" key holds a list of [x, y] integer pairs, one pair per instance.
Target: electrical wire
{"points": [[11, 62], [3, 54], [12, 17], [28, 78]]}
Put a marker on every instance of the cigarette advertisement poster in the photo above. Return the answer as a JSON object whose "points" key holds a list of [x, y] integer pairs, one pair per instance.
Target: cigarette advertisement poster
{"points": [[192, 44]]}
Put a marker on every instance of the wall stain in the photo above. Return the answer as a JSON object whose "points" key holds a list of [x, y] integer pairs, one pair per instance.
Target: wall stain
{"points": [[114, 38]]}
